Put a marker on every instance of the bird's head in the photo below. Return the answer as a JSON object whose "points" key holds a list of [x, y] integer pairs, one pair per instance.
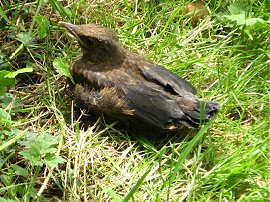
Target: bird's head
{"points": [[98, 43]]}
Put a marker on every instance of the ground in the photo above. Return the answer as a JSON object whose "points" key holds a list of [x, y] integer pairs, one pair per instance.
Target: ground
{"points": [[53, 150]]}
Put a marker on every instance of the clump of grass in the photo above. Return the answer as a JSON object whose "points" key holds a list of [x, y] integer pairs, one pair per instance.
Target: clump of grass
{"points": [[47, 153]]}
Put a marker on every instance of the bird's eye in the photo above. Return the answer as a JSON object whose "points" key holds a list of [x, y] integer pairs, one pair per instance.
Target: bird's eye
{"points": [[89, 41]]}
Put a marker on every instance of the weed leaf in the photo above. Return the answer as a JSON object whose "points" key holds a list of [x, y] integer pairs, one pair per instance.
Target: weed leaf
{"points": [[52, 161], [6, 200], [25, 37], [61, 67], [41, 150], [18, 170], [43, 26], [5, 117], [19, 71], [4, 81], [238, 8]]}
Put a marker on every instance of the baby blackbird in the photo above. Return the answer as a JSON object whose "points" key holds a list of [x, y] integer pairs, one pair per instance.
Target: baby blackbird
{"points": [[113, 81]]}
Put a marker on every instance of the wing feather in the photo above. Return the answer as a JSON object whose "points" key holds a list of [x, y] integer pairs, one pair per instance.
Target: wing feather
{"points": [[152, 106], [169, 80]]}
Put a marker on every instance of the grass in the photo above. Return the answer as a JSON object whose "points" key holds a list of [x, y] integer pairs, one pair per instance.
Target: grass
{"points": [[49, 150]]}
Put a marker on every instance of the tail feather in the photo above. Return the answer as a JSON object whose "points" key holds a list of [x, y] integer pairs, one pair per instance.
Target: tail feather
{"points": [[209, 107], [204, 111]]}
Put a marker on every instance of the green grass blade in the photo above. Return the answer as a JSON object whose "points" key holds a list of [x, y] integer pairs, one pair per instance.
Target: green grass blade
{"points": [[137, 185], [3, 15], [187, 150]]}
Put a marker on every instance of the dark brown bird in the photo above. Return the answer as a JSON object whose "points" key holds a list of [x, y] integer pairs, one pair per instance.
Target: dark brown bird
{"points": [[113, 81]]}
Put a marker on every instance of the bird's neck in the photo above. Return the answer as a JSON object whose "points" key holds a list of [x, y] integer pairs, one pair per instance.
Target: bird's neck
{"points": [[103, 55]]}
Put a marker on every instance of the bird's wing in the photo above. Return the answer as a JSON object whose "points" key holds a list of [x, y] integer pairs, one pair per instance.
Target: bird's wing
{"points": [[157, 108], [169, 80], [154, 107]]}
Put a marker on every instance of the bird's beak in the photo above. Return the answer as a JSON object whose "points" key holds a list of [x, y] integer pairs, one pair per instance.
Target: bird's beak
{"points": [[70, 27], [73, 29]]}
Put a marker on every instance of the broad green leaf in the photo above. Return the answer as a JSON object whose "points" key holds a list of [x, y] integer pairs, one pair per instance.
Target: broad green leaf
{"points": [[52, 160], [19, 71], [8, 98], [240, 19], [253, 21], [32, 156], [44, 149], [4, 65], [19, 170], [29, 138], [25, 38], [3, 90], [238, 7], [43, 26], [6, 200], [47, 140], [61, 67], [6, 82], [12, 132], [5, 117], [42, 143], [40, 150]]}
